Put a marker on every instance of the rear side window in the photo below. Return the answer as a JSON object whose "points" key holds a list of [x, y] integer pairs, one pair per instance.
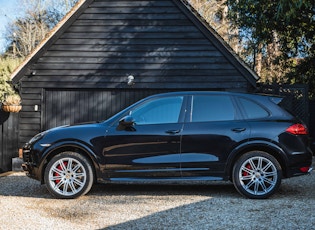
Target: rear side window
{"points": [[252, 109], [212, 108]]}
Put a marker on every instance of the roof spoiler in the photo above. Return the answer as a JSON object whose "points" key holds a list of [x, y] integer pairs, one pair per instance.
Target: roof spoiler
{"points": [[276, 99]]}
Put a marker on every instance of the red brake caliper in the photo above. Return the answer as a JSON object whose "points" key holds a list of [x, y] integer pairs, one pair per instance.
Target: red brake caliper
{"points": [[57, 174], [248, 167]]}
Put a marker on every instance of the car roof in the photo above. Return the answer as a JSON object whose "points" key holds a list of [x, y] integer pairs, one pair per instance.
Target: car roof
{"points": [[262, 98], [184, 93]]}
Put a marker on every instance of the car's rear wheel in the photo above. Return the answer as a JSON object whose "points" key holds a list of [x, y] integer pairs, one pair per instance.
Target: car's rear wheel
{"points": [[257, 175], [68, 175]]}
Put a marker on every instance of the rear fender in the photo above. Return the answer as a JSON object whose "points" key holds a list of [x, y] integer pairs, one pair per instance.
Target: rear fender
{"points": [[259, 145]]}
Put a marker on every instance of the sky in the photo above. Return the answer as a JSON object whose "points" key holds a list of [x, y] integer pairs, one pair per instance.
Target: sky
{"points": [[9, 10]]}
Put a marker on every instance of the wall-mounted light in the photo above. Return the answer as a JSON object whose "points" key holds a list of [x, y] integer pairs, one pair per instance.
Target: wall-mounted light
{"points": [[130, 80]]}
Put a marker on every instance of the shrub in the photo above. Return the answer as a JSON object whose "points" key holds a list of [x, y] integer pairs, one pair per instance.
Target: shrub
{"points": [[7, 66]]}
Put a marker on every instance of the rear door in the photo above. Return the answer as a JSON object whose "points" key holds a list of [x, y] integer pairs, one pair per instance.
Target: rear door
{"points": [[212, 130]]}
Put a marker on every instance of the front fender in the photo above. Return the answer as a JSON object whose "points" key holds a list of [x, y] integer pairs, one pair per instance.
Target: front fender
{"points": [[62, 146]]}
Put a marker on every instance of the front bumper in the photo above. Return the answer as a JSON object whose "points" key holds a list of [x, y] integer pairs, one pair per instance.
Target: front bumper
{"points": [[31, 171], [29, 165]]}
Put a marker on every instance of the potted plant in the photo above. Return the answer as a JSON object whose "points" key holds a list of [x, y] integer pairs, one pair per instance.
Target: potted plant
{"points": [[9, 98], [12, 103]]}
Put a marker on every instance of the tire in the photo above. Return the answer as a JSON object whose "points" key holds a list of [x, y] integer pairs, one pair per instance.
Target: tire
{"points": [[68, 175], [257, 175]]}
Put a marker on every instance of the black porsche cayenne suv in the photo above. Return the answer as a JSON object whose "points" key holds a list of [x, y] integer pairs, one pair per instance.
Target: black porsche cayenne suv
{"points": [[245, 138]]}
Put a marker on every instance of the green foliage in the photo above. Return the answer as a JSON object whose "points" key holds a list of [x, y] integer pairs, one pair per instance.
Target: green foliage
{"points": [[288, 23], [7, 66], [303, 71]]}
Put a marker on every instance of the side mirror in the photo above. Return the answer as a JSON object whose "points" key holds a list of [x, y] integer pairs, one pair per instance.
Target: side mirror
{"points": [[126, 123]]}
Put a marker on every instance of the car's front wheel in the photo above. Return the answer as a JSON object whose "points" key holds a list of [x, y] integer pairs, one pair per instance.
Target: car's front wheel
{"points": [[257, 175], [68, 175]]}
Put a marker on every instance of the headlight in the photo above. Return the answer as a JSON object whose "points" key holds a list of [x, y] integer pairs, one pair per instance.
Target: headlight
{"points": [[37, 137]]}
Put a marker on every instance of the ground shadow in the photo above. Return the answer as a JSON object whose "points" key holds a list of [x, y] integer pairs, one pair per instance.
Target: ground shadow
{"points": [[17, 184], [213, 189]]}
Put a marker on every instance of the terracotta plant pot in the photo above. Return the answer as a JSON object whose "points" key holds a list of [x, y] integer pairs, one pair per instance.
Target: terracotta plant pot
{"points": [[12, 108]]}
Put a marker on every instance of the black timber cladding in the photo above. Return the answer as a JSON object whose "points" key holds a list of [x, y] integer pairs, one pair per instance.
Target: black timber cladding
{"points": [[157, 42], [152, 40], [9, 127], [87, 105]]}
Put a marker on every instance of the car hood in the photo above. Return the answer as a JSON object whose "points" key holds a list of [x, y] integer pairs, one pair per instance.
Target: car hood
{"points": [[77, 132]]}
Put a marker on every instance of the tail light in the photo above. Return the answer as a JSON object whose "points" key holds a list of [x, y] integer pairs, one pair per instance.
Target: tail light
{"points": [[297, 129], [306, 169]]}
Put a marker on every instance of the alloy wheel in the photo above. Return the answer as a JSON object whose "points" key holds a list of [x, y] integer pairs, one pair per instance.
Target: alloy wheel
{"points": [[258, 175], [67, 176]]}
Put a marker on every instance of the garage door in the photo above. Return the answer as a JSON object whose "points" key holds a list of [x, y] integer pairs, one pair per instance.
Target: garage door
{"points": [[75, 106]]}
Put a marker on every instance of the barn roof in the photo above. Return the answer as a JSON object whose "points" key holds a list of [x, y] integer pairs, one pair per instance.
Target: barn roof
{"points": [[183, 5]]}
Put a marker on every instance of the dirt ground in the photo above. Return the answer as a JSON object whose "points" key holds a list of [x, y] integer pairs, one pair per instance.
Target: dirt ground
{"points": [[25, 204]]}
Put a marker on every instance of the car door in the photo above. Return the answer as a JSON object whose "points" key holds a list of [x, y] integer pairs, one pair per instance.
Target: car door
{"points": [[149, 147], [210, 133]]}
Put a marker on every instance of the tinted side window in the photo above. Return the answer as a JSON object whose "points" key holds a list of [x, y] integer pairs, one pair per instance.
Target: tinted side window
{"points": [[253, 110], [158, 111], [212, 108]]}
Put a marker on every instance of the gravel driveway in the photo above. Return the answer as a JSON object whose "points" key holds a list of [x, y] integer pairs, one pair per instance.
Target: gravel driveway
{"points": [[25, 204]]}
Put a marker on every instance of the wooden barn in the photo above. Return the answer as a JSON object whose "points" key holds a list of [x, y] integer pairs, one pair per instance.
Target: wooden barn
{"points": [[83, 70]]}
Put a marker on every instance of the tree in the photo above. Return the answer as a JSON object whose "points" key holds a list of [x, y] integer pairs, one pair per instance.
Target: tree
{"points": [[40, 16], [282, 33], [215, 13], [27, 33]]}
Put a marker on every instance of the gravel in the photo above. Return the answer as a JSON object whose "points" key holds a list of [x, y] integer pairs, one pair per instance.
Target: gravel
{"points": [[25, 204]]}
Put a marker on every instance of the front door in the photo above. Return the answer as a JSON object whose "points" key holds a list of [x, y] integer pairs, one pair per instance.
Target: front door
{"points": [[150, 148]]}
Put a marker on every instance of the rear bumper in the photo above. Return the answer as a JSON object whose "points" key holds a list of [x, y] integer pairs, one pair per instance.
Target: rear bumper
{"points": [[300, 164]]}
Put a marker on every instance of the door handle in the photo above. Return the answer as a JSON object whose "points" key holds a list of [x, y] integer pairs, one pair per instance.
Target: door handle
{"points": [[238, 130], [173, 131]]}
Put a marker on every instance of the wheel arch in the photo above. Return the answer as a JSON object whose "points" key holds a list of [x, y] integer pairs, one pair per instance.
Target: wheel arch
{"points": [[69, 147], [267, 147]]}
